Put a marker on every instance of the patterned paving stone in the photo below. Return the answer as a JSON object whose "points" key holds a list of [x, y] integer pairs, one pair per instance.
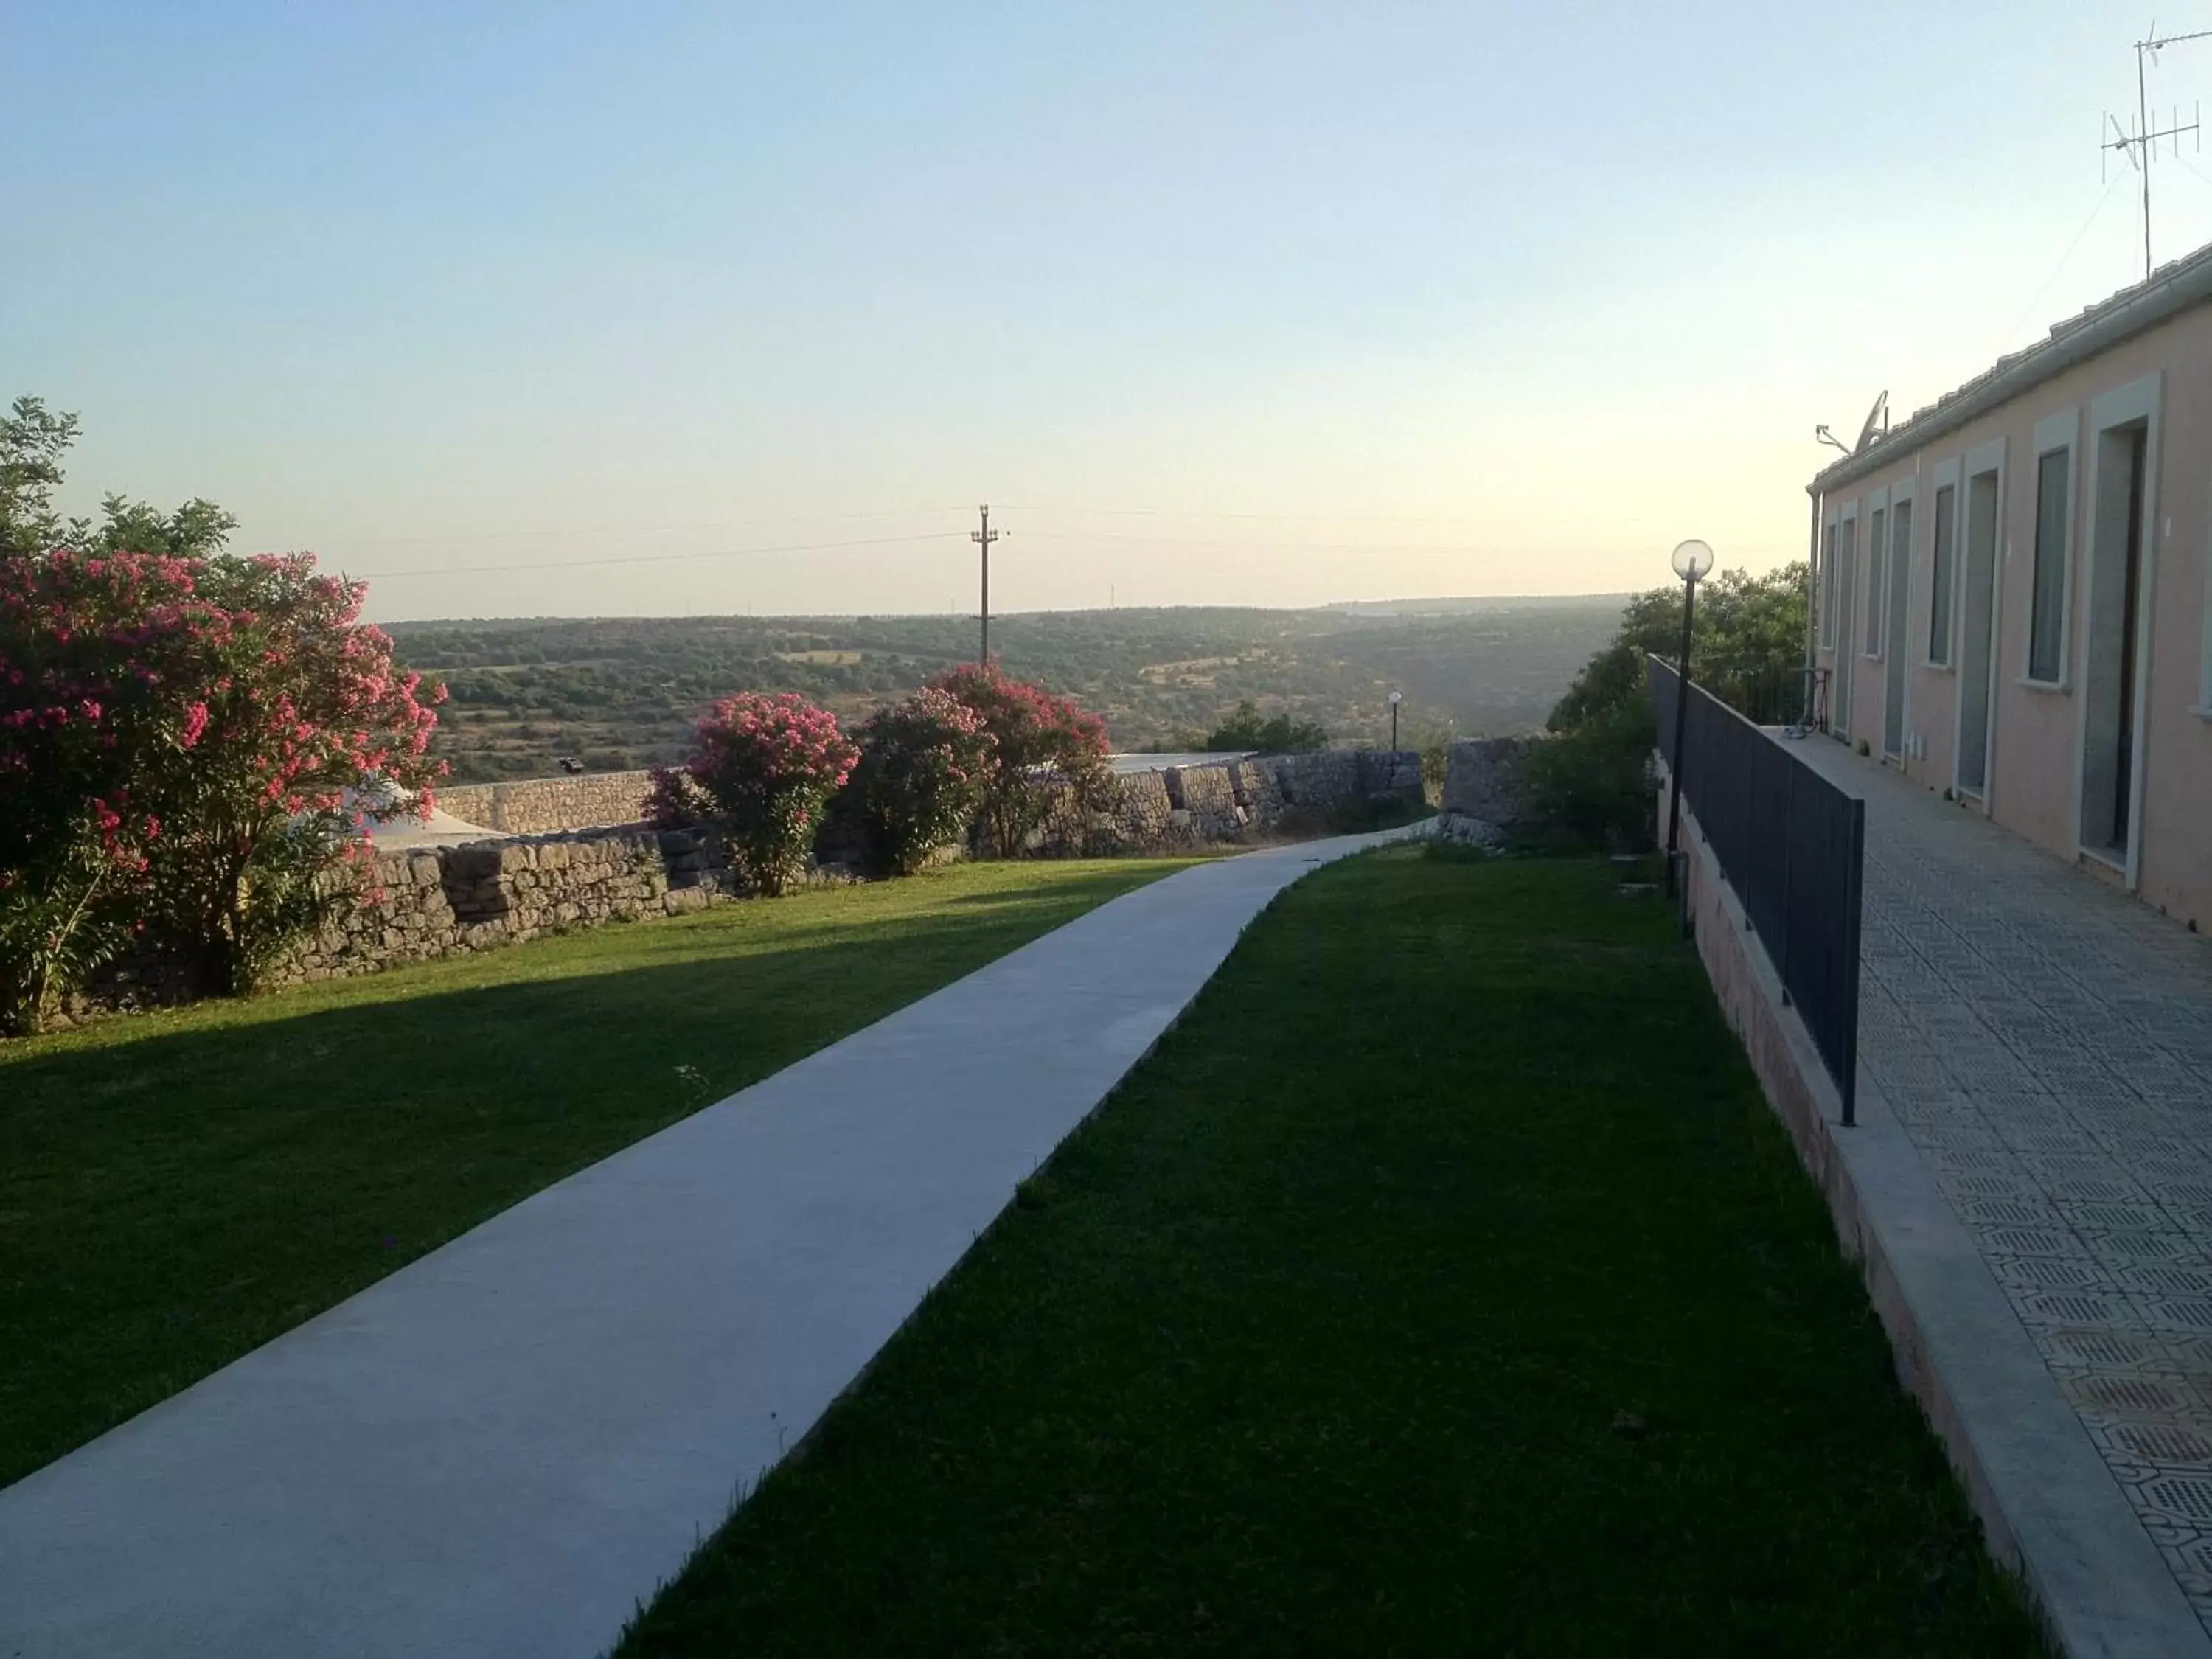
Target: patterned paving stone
{"points": [[2047, 1044]]}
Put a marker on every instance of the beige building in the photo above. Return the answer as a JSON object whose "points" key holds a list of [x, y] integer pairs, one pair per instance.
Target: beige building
{"points": [[2010, 598]]}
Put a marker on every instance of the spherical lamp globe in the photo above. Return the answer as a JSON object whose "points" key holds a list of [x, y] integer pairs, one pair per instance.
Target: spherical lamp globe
{"points": [[1693, 560]]}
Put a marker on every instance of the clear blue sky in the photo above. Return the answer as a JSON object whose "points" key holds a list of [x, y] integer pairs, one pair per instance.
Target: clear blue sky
{"points": [[1268, 304]]}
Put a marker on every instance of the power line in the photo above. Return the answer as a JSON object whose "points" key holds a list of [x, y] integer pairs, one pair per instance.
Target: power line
{"points": [[1280, 547], [2037, 298], [2202, 177], [978, 536], [656, 558], [631, 529], [545, 531], [1302, 518]]}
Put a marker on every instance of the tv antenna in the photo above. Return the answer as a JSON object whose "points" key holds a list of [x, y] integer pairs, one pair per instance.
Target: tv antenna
{"points": [[2141, 145]]}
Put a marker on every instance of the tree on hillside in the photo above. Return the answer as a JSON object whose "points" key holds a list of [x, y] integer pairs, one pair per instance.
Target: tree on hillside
{"points": [[1243, 729], [34, 439], [193, 531], [1748, 649]]}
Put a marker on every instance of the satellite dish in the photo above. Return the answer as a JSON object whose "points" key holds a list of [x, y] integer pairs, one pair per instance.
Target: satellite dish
{"points": [[1877, 423]]}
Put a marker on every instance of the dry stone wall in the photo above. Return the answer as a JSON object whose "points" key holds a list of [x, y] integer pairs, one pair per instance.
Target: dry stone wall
{"points": [[1485, 801], [442, 901], [417, 903], [433, 901], [536, 806], [1227, 800]]}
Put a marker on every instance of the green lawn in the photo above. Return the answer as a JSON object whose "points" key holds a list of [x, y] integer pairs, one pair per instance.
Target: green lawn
{"points": [[1442, 1285], [176, 1188]]}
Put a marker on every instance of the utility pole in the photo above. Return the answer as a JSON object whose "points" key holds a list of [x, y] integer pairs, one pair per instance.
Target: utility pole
{"points": [[2141, 145], [983, 538]]}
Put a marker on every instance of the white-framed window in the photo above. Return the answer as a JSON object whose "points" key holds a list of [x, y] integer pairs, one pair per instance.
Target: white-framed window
{"points": [[1828, 586], [1942, 576], [1984, 471], [2205, 651], [2050, 578], [1877, 547], [1899, 555], [1870, 578]]}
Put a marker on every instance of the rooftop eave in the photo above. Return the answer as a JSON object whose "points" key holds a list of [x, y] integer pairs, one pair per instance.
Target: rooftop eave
{"points": [[2170, 290]]}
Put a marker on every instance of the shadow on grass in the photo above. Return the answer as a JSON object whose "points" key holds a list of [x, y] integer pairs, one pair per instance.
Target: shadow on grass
{"points": [[1106, 883], [180, 1190]]}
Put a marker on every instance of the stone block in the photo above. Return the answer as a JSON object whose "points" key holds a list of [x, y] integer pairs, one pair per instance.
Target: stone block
{"points": [[1482, 779], [472, 861]]}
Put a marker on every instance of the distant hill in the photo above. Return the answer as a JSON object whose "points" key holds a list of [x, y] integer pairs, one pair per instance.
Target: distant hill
{"points": [[1457, 607], [620, 692]]}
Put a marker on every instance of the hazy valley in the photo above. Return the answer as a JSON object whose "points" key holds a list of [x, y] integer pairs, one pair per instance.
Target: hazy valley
{"points": [[621, 692]]}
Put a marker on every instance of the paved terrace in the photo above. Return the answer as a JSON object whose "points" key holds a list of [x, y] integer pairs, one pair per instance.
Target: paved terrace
{"points": [[2046, 1043]]}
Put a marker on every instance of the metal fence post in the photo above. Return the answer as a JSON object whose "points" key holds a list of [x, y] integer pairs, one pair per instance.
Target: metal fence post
{"points": [[1855, 884], [1788, 868]]}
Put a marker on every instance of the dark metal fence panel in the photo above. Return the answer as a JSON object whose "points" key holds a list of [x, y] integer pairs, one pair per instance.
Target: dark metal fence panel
{"points": [[1793, 846]]}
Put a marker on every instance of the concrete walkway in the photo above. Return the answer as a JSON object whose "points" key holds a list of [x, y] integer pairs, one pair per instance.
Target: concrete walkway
{"points": [[2046, 1045], [506, 1446]]}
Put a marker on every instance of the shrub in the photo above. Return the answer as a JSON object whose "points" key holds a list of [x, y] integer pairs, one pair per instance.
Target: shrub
{"points": [[922, 773], [82, 707], [1433, 743], [186, 736], [1038, 740], [61, 916], [1243, 730], [1592, 782], [760, 766], [292, 705], [1591, 785]]}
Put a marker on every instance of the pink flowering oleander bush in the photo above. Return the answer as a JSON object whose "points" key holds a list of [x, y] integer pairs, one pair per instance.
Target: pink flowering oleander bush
{"points": [[762, 767], [75, 703], [1038, 740], [923, 765], [291, 704], [179, 740]]}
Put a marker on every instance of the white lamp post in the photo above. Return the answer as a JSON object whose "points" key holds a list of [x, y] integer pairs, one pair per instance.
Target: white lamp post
{"points": [[1694, 562], [1396, 697]]}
